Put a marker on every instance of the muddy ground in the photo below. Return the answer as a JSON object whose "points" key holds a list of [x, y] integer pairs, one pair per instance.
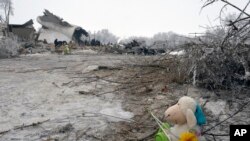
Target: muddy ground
{"points": [[49, 97]]}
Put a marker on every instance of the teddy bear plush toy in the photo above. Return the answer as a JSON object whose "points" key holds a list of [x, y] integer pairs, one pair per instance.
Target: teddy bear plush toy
{"points": [[186, 117]]}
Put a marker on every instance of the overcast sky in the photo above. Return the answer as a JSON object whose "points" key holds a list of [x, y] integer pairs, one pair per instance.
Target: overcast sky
{"points": [[125, 18]]}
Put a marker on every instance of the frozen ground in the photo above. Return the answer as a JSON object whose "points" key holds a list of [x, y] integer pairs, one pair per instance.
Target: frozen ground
{"points": [[49, 97], [43, 88]]}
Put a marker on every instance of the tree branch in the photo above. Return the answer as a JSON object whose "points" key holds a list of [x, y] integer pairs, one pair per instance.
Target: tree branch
{"points": [[235, 7], [238, 111]]}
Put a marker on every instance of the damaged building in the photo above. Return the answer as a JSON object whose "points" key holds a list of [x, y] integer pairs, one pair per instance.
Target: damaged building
{"points": [[54, 27], [24, 31]]}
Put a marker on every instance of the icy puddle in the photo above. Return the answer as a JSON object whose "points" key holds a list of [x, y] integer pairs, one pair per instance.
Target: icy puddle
{"points": [[36, 90]]}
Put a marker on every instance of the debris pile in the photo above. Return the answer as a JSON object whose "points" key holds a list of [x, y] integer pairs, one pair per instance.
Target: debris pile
{"points": [[217, 69], [8, 48]]}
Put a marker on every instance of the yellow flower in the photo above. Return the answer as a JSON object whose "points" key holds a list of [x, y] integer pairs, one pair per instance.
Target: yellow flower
{"points": [[187, 136]]}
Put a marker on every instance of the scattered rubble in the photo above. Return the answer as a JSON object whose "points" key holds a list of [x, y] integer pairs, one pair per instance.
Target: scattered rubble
{"points": [[8, 48]]}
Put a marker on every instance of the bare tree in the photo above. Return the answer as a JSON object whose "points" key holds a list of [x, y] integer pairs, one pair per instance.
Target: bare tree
{"points": [[7, 7], [7, 10], [220, 56], [105, 37]]}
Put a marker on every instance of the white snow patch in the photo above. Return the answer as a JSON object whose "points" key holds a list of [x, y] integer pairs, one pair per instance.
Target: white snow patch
{"points": [[90, 68], [247, 74], [216, 107], [37, 54], [117, 112], [181, 52], [85, 51]]}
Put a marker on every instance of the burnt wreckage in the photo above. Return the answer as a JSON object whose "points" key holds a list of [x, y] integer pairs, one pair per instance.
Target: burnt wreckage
{"points": [[54, 27]]}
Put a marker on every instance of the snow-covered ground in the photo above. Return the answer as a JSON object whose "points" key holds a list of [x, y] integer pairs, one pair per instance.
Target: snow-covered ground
{"points": [[37, 88], [49, 88], [181, 52]]}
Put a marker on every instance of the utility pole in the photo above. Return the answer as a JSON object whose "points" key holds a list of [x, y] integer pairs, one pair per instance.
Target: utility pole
{"points": [[195, 34]]}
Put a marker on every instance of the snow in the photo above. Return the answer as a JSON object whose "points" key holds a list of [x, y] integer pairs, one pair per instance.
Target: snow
{"points": [[33, 88], [86, 51], [216, 107], [247, 74], [181, 52], [37, 54], [117, 111]]}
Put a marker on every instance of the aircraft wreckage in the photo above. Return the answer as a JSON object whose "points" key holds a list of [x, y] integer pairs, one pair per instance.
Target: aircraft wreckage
{"points": [[54, 27]]}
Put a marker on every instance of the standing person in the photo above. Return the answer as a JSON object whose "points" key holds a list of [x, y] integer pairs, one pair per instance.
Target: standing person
{"points": [[71, 46], [66, 48]]}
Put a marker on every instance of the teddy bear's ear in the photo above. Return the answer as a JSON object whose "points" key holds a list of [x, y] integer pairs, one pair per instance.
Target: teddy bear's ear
{"points": [[191, 119]]}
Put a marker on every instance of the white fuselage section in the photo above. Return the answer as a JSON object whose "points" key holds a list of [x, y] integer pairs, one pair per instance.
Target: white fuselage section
{"points": [[55, 31]]}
